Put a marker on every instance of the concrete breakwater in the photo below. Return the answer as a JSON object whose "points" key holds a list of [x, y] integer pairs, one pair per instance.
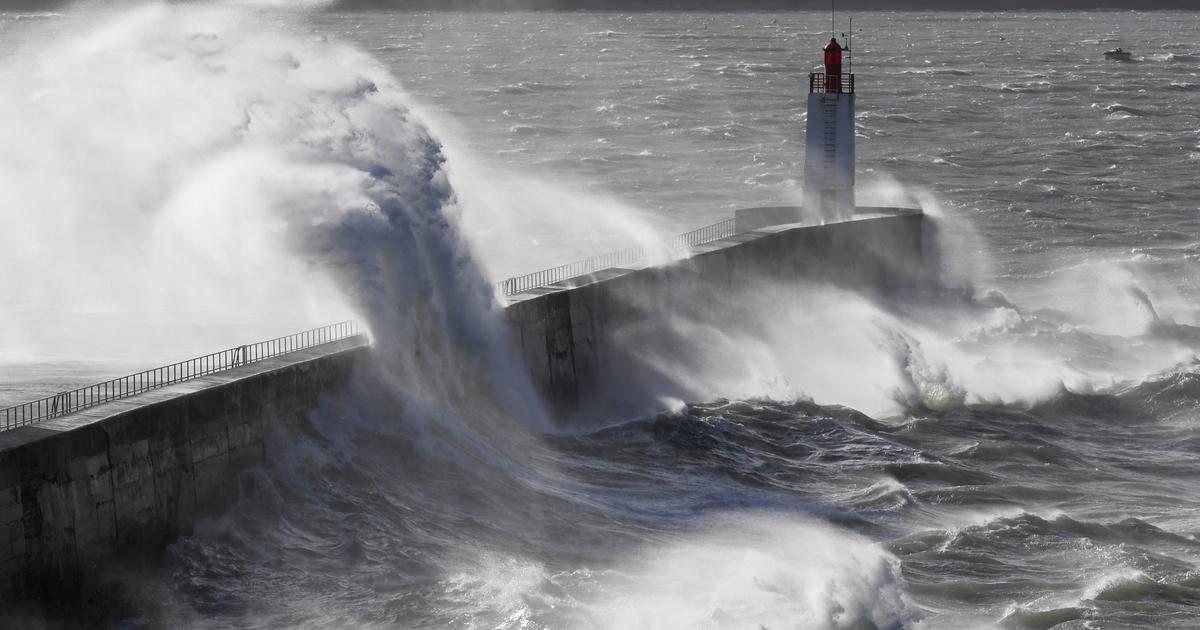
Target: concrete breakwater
{"points": [[571, 332], [136, 473]]}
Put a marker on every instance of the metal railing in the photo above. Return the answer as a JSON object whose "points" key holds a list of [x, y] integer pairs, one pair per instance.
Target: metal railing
{"points": [[836, 84], [683, 242], [68, 402]]}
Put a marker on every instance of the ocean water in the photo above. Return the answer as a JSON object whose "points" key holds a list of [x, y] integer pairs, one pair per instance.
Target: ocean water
{"points": [[1014, 447]]}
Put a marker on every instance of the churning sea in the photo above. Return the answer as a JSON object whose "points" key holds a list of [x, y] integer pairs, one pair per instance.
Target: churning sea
{"points": [[1015, 449]]}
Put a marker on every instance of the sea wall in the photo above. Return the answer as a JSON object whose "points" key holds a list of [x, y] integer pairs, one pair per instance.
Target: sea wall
{"points": [[134, 474], [571, 332], [74, 492]]}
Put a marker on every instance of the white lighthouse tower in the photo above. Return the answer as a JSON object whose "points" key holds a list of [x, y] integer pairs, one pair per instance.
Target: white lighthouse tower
{"points": [[829, 150]]}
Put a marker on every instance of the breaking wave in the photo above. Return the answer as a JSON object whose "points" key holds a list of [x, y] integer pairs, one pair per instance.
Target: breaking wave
{"points": [[958, 424]]}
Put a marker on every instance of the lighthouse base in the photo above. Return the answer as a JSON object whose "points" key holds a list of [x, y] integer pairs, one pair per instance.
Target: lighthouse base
{"points": [[829, 155]]}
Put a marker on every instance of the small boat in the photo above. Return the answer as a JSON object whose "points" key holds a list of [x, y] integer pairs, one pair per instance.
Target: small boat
{"points": [[1118, 54]]}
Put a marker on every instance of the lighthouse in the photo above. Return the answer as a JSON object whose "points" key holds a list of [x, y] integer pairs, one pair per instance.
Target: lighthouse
{"points": [[829, 149]]}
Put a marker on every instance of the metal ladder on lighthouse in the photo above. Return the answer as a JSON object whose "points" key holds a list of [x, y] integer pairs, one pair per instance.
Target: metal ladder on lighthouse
{"points": [[829, 106]]}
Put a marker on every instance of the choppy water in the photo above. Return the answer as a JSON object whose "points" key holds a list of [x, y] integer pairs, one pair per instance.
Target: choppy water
{"points": [[1016, 448]]}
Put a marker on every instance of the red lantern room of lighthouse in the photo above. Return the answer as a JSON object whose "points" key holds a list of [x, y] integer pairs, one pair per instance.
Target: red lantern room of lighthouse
{"points": [[833, 66], [829, 146]]}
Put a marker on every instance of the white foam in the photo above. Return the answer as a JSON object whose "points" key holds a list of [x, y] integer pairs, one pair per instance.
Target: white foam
{"points": [[751, 570], [760, 571]]}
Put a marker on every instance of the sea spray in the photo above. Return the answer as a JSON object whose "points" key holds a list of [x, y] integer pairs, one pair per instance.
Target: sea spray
{"points": [[948, 341], [187, 165], [144, 150], [522, 221]]}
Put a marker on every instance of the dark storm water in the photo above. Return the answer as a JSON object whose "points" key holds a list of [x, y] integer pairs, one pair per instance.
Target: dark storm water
{"points": [[1029, 457]]}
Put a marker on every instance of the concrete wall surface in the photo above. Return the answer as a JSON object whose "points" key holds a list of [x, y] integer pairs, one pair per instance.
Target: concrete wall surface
{"points": [[572, 332], [136, 473]]}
